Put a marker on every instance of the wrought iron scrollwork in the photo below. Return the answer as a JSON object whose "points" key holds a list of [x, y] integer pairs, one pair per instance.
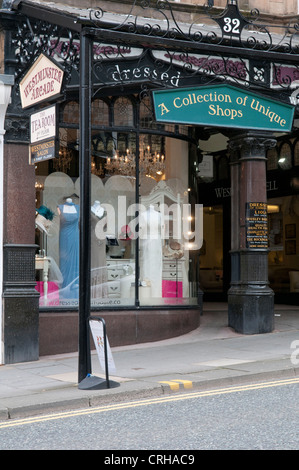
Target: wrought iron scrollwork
{"points": [[32, 38], [158, 19], [165, 49]]}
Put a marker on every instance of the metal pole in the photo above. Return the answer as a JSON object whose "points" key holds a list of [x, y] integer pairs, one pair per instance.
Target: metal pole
{"points": [[137, 213], [84, 363]]}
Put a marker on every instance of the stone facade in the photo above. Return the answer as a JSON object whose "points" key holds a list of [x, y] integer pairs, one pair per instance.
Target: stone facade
{"points": [[268, 7]]}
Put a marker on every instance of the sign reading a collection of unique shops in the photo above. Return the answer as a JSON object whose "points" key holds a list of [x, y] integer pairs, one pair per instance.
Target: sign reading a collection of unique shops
{"points": [[256, 225], [222, 106], [43, 139]]}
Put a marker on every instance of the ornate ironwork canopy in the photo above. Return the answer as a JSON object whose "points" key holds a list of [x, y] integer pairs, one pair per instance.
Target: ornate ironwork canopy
{"points": [[155, 45]]}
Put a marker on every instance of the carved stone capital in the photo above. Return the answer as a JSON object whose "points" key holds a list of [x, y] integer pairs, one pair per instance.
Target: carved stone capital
{"points": [[250, 145], [17, 129]]}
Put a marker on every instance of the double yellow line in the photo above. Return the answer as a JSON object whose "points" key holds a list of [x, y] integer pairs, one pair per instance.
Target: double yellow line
{"points": [[146, 402]]}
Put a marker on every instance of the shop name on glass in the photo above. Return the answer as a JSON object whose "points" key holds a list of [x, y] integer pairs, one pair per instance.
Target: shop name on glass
{"points": [[222, 192]]}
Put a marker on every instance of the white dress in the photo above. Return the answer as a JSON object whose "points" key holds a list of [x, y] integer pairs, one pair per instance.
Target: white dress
{"points": [[151, 250]]}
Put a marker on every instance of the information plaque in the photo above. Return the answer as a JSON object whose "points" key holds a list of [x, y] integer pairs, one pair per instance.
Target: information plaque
{"points": [[256, 225]]}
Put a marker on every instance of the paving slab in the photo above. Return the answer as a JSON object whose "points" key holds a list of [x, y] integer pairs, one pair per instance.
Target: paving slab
{"points": [[211, 356]]}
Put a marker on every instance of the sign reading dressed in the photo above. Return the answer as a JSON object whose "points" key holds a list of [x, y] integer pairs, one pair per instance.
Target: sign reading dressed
{"points": [[222, 106], [256, 224], [42, 82]]}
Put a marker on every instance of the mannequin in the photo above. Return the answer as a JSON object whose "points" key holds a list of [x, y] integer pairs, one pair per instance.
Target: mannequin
{"points": [[151, 250], [69, 247], [43, 219], [99, 276], [97, 209]]}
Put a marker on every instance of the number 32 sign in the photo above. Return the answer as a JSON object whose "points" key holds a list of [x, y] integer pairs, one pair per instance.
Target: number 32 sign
{"points": [[231, 21], [231, 25]]}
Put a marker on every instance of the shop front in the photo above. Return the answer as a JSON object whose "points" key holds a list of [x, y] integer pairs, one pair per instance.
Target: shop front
{"points": [[132, 209], [282, 195], [137, 224]]}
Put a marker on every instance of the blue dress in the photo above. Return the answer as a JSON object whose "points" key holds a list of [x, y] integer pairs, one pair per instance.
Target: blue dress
{"points": [[69, 251]]}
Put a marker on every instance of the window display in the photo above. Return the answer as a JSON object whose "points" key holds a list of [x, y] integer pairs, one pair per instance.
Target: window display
{"points": [[283, 222], [211, 253], [151, 251], [139, 242], [69, 247]]}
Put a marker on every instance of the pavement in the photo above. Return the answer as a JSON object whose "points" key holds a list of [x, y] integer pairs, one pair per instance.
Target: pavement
{"points": [[209, 357]]}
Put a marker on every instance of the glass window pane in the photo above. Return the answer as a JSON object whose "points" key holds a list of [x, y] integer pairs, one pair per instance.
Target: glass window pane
{"points": [[71, 113], [99, 113], [211, 253], [296, 154], [283, 228], [168, 255], [113, 245], [147, 119], [123, 112], [272, 159], [166, 244], [223, 168], [285, 157]]}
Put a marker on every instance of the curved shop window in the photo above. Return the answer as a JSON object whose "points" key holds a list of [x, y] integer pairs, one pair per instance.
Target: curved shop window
{"points": [[159, 245], [283, 218]]}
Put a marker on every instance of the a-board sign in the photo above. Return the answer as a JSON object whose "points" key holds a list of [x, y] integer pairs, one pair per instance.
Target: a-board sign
{"points": [[97, 331]]}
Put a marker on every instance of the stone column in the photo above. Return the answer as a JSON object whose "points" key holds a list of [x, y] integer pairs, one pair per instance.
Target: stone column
{"points": [[6, 83], [250, 299], [20, 298]]}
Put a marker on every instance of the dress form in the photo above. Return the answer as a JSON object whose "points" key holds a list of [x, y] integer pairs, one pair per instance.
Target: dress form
{"points": [[69, 247], [99, 275], [97, 209], [151, 250]]}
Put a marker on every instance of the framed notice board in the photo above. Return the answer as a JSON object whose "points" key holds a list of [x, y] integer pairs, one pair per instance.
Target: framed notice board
{"points": [[256, 225]]}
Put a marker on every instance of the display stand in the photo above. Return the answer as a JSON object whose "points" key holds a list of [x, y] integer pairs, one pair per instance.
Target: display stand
{"points": [[174, 283], [92, 382]]}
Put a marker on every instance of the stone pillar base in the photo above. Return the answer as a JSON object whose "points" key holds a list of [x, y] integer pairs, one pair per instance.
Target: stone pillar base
{"points": [[20, 305], [21, 329], [251, 310], [250, 299]]}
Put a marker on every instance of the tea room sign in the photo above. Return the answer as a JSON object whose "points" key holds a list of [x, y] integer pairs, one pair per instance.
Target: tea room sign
{"points": [[43, 135]]}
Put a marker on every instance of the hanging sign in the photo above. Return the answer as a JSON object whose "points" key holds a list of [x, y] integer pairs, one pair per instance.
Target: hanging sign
{"points": [[256, 225], [43, 124], [97, 332], [42, 82], [222, 106], [205, 168], [43, 135], [42, 151]]}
